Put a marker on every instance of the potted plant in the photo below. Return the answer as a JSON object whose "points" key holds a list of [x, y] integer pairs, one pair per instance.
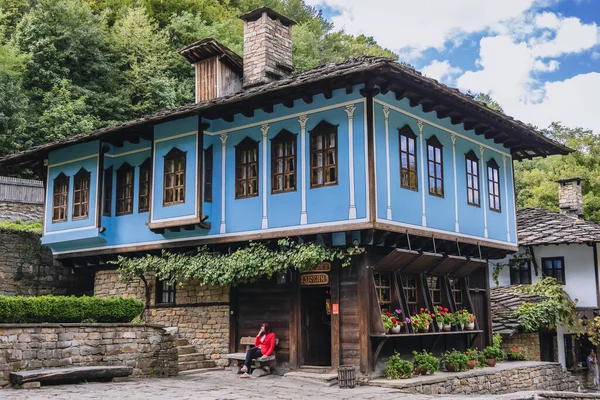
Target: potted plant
{"points": [[516, 354], [426, 362], [472, 355], [421, 321], [397, 368], [447, 319], [469, 320], [387, 322], [397, 322], [438, 317], [492, 354], [455, 360]]}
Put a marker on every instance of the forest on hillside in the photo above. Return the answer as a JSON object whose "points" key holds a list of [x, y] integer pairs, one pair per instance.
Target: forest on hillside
{"points": [[71, 66]]}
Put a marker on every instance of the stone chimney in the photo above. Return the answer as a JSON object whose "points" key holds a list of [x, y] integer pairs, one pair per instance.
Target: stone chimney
{"points": [[267, 46], [570, 200]]}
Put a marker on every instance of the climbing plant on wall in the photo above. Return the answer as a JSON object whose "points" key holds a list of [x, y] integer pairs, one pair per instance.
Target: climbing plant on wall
{"points": [[243, 265]]}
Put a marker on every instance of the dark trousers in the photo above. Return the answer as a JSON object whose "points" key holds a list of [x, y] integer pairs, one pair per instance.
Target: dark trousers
{"points": [[252, 354]]}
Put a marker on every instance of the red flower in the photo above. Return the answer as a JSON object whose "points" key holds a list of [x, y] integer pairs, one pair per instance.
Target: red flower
{"points": [[432, 315], [445, 309], [440, 308], [387, 313], [467, 352], [471, 319], [460, 312], [414, 313], [394, 321], [442, 313], [452, 315], [422, 309]]}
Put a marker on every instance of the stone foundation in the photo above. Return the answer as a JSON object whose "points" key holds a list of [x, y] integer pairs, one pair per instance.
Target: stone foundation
{"points": [[530, 342], [506, 377], [27, 268], [200, 312], [149, 349], [13, 211]]}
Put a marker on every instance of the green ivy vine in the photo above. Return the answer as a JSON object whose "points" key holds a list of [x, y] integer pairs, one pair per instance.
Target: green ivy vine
{"points": [[244, 265]]}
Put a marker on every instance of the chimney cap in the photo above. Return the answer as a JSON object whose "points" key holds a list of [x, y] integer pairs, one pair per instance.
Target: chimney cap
{"points": [[568, 180], [256, 13], [210, 47]]}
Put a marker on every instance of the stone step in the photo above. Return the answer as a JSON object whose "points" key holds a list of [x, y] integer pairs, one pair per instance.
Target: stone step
{"points": [[200, 371], [181, 342], [323, 379], [191, 357], [189, 349], [189, 365]]}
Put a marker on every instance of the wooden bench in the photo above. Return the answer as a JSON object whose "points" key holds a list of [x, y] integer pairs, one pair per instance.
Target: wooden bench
{"points": [[265, 362], [72, 374]]}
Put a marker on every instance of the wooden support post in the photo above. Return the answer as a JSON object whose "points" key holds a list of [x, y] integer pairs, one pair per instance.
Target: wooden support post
{"points": [[334, 277], [363, 315], [232, 320], [294, 324]]}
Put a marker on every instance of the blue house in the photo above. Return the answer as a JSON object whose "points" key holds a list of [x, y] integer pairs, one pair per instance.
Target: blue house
{"points": [[366, 152]]}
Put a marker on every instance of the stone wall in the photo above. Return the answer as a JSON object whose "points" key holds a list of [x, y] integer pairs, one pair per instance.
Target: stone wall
{"points": [[149, 349], [530, 342], [27, 268], [506, 377], [200, 312], [13, 211]]}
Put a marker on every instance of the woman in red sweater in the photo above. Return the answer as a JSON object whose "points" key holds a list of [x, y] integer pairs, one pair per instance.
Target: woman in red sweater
{"points": [[263, 346]]}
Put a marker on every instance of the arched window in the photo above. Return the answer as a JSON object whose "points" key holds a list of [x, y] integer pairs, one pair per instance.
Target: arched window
{"points": [[81, 194], [283, 162], [472, 166], [174, 186], [323, 155], [60, 198], [125, 181], [246, 169], [493, 175], [435, 167], [108, 191], [408, 158], [145, 185]]}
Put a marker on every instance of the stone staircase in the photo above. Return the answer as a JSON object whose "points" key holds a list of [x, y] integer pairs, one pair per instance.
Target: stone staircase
{"points": [[189, 358]]}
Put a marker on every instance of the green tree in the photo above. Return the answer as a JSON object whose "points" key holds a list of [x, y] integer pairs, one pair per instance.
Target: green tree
{"points": [[13, 100], [488, 101]]}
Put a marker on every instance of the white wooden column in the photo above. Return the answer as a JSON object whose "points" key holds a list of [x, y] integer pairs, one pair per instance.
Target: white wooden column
{"points": [[386, 116], [484, 191], [506, 211], [223, 137], [350, 112], [265, 219], [302, 121], [424, 183], [456, 225]]}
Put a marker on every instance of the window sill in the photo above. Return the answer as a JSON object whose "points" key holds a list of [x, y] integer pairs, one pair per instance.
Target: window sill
{"points": [[159, 227]]}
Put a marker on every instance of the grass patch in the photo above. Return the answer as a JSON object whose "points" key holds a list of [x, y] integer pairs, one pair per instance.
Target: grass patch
{"points": [[22, 226]]}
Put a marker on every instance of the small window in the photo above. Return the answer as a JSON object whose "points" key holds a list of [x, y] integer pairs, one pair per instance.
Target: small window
{"points": [[383, 288], [472, 178], [145, 185], [174, 185], [408, 159], [410, 288], [555, 268], [435, 289], [494, 185], [208, 174], [435, 167], [81, 194], [283, 162], [246, 169], [125, 189], [520, 272], [456, 287], [165, 292], [323, 155], [108, 190], [60, 198]]}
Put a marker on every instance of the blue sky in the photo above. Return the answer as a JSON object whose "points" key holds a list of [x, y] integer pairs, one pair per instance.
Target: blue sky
{"points": [[540, 59]]}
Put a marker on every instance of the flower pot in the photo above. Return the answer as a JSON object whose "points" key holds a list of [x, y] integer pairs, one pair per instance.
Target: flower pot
{"points": [[387, 330], [424, 330], [470, 326], [422, 371], [472, 364], [462, 326], [491, 362], [395, 329], [451, 368], [447, 327], [440, 326]]}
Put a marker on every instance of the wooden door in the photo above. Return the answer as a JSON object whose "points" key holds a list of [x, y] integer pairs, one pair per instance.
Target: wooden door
{"points": [[316, 327]]}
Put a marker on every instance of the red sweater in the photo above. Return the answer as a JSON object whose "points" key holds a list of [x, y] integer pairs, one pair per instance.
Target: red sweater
{"points": [[267, 346]]}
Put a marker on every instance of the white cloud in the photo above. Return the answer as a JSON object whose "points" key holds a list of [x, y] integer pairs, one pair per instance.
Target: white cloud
{"points": [[442, 71], [571, 37]]}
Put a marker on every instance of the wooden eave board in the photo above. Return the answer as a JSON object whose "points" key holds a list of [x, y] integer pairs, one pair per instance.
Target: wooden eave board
{"points": [[470, 267], [449, 264], [423, 263], [396, 260]]}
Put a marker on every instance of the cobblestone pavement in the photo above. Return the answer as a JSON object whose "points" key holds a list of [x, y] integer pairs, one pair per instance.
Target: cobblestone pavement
{"points": [[217, 385]]}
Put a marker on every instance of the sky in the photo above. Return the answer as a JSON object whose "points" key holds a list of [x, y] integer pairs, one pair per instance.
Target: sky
{"points": [[539, 59]]}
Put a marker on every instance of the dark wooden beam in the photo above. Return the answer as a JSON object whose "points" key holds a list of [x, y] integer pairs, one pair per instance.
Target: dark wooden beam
{"points": [[268, 108], [349, 88], [415, 101], [385, 88], [428, 106], [328, 93], [442, 112], [288, 103], [228, 118], [248, 113], [456, 119], [470, 125], [133, 139], [491, 134], [400, 93], [308, 99]]}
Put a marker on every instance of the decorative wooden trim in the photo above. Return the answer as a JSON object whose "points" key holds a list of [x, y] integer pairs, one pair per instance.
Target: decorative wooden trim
{"points": [[107, 194], [99, 185], [199, 165], [125, 190], [60, 198], [81, 187], [223, 137], [208, 173], [303, 214], [264, 129], [284, 137], [435, 144], [319, 133], [386, 119], [456, 224], [421, 124], [159, 227], [368, 94], [145, 183], [350, 112], [174, 156], [485, 225], [506, 197], [246, 147]]}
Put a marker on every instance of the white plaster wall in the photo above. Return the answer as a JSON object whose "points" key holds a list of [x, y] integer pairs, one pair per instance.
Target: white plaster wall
{"points": [[579, 271]]}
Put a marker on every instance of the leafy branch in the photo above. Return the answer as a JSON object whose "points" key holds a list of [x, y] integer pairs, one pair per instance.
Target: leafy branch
{"points": [[244, 265]]}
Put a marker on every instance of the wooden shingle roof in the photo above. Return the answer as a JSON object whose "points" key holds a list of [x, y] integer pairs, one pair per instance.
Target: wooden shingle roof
{"points": [[504, 301], [536, 226]]}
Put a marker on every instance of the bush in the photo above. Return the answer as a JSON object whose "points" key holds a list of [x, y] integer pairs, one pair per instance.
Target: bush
{"points": [[397, 368], [426, 361], [17, 309], [455, 358], [493, 352], [516, 354]]}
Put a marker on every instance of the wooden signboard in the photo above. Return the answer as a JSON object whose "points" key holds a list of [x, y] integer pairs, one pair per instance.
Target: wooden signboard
{"points": [[322, 267], [314, 279]]}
